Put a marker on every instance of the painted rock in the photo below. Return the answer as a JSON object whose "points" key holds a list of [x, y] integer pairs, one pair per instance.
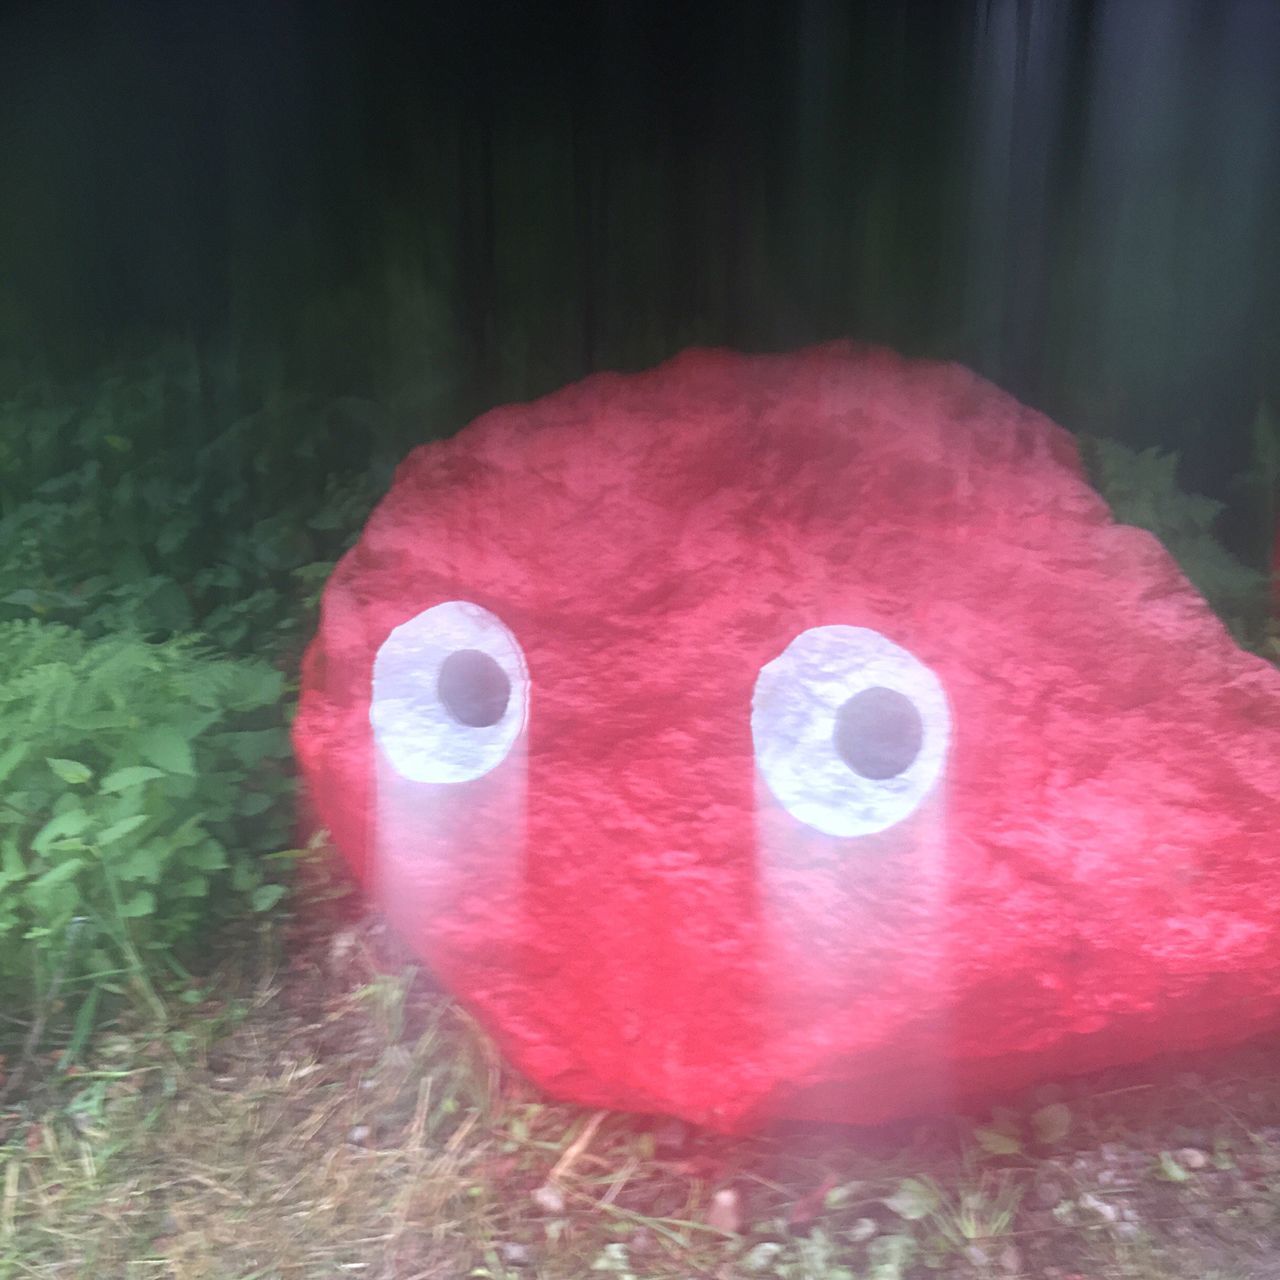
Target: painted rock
{"points": [[796, 736]]}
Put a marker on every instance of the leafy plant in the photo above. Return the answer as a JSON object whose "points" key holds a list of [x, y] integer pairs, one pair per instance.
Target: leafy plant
{"points": [[1259, 486], [1141, 487], [1008, 1132], [134, 513], [142, 777], [140, 787]]}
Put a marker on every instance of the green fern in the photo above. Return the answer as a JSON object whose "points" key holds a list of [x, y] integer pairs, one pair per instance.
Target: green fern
{"points": [[1141, 487]]}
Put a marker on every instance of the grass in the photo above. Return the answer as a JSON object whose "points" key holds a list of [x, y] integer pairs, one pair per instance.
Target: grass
{"points": [[319, 1110]]}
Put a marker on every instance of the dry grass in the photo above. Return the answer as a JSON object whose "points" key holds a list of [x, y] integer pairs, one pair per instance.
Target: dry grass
{"points": [[334, 1116], [312, 1139]]}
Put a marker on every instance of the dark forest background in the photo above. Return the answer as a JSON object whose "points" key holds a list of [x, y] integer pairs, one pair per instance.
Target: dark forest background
{"points": [[434, 208]]}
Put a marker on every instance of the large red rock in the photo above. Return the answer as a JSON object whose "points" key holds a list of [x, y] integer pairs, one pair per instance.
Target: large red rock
{"points": [[796, 736]]}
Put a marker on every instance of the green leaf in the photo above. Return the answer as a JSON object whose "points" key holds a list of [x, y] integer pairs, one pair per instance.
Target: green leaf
{"points": [[251, 747], [42, 886], [12, 758], [998, 1143], [167, 749], [133, 775], [251, 803], [12, 867], [1170, 1170], [208, 855], [840, 1195], [1051, 1124], [255, 686], [142, 903], [144, 863], [118, 830], [890, 1256], [243, 876], [70, 771], [173, 535], [914, 1199], [761, 1257], [191, 832], [613, 1257], [169, 608], [82, 1027], [265, 896], [68, 824]]}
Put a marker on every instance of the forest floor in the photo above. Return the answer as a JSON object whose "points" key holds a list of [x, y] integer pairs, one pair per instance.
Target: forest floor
{"points": [[319, 1111]]}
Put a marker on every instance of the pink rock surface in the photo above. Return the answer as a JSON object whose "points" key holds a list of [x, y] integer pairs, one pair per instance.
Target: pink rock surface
{"points": [[796, 736]]}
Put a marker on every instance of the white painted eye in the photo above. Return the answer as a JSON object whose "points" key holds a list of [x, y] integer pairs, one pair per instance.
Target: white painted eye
{"points": [[450, 694], [850, 730]]}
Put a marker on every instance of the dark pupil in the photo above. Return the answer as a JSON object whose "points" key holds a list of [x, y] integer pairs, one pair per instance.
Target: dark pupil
{"points": [[473, 688], [878, 733]]}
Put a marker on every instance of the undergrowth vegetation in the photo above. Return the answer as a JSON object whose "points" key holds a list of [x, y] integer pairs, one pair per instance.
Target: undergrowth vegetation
{"points": [[143, 785], [144, 511], [1141, 487], [160, 567]]}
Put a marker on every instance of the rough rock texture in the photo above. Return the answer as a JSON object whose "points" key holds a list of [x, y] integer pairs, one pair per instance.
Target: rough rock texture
{"points": [[796, 735]]}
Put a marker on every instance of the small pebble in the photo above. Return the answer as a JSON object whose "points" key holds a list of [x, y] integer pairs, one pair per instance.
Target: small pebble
{"points": [[1010, 1260], [358, 1135], [1048, 1193], [515, 1254], [725, 1212], [1192, 1158], [641, 1243], [549, 1198], [1100, 1207]]}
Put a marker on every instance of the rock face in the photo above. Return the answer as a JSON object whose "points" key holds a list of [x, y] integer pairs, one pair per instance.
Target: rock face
{"points": [[796, 736]]}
